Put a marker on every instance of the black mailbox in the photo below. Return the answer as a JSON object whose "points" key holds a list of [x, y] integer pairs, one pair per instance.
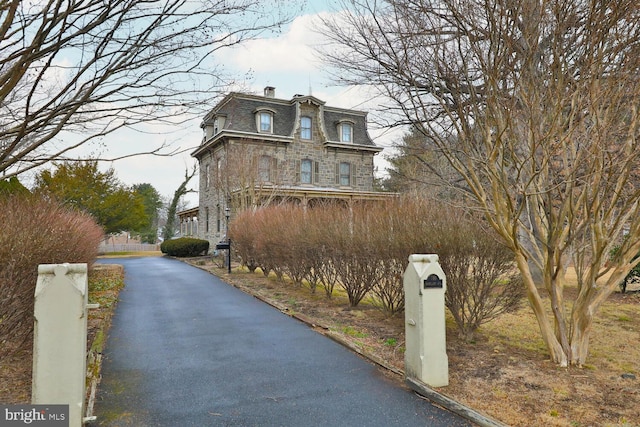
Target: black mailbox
{"points": [[433, 281], [222, 245]]}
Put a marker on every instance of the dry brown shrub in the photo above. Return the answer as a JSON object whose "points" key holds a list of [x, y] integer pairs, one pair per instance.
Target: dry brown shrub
{"points": [[401, 229], [364, 249], [328, 224], [249, 242], [242, 232], [318, 249], [356, 256], [291, 242], [270, 244], [482, 279], [36, 231]]}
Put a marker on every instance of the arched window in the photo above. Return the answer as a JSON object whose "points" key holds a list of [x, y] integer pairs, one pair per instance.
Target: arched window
{"points": [[305, 127], [264, 120]]}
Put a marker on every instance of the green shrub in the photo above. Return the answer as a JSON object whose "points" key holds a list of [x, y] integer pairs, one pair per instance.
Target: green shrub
{"points": [[36, 231], [185, 247]]}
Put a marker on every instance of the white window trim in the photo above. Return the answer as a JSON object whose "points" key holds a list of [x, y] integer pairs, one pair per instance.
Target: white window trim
{"points": [[258, 114]]}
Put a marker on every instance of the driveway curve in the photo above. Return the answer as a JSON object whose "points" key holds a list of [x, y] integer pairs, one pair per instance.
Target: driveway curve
{"points": [[186, 349]]}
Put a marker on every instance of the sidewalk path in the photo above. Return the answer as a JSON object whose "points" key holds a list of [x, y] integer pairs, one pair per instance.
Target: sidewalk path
{"points": [[186, 349]]}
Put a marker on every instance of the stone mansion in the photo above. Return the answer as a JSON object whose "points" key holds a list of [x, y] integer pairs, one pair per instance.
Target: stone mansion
{"points": [[261, 150]]}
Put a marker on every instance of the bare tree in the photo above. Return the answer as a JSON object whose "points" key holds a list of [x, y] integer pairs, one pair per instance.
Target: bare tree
{"points": [[535, 104], [246, 179], [169, 229], [417, 168], [92, 67]]}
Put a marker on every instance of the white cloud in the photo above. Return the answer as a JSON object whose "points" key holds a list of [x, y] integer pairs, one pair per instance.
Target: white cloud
{"points": [[290, 52]]}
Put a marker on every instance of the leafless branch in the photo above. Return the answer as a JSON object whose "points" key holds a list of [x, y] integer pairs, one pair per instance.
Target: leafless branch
{"points": [[94, 67]]}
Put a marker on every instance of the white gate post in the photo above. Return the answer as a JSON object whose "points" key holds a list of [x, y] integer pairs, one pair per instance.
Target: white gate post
{"points": [[60, 338], [425, 333]]}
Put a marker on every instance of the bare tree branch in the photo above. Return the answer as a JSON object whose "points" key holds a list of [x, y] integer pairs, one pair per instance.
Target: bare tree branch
{"points": [[93, 67]]}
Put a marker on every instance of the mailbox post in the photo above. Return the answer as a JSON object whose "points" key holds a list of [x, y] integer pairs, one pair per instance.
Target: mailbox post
{"points": [[426, 350], [60, 338], [227, 214], [226, 246]]}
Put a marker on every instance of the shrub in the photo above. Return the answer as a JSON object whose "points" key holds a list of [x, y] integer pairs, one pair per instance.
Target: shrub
{"points": [[401, 226], [296, 260], [324, 225], [482, 279], [36, 231], [364, 249], [242, 232], [389, 288], [185, 247]]}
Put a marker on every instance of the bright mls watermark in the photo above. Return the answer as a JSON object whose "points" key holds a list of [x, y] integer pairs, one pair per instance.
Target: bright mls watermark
{"points": [[36, 415]]}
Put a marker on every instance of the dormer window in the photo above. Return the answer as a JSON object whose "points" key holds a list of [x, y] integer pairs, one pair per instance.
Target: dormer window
{"points": [[305, 127], [264, 120], [345, 130]]}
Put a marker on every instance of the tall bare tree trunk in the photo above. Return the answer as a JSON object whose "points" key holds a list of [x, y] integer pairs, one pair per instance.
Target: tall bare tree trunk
{"points": [[556, 352]]}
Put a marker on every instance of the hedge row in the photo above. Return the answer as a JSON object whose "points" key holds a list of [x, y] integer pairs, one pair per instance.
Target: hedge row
{"points": [[185, 247], [364, 250]]}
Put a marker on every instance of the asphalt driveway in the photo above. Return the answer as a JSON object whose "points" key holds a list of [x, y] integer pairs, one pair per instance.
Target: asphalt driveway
{"points": [[186, 349]]}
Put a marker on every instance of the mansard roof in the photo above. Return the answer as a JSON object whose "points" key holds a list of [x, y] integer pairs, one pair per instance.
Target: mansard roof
{"points": [[239, 112]]}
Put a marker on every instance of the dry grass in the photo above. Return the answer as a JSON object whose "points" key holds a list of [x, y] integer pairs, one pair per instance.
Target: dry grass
{"points": [[517, 384], [506, 374]]}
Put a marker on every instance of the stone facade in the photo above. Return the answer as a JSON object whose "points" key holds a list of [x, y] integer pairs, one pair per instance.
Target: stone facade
{"points": [[260, 149]]}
